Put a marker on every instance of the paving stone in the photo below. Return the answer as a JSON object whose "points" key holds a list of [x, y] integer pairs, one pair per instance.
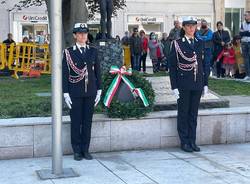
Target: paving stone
{"points": [[216, 164]]}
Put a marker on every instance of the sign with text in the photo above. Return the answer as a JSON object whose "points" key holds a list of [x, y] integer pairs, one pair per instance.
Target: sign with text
{"points": [[31, 17], [145, 19]]}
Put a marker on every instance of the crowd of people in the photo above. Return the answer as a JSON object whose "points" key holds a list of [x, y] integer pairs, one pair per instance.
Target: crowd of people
{"points": [[223, 56], [41, 38], [22, 50]]}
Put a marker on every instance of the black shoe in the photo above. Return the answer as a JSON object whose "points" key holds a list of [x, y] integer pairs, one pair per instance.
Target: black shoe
{"points": [[87, 156], [195, 147], [186, 148], [78, 156]]}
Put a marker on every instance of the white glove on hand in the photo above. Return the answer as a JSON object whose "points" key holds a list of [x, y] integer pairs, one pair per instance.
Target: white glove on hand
{"points": [[176, 94], [67, 100], [205, 90], [98, 97]]}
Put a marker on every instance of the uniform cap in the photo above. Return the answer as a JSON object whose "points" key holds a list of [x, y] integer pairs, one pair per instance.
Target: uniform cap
{"points": [[189, 20], [80, 28]]}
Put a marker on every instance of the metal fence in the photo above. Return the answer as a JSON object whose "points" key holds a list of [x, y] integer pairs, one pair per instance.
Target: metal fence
{"points": [[27, 58]]}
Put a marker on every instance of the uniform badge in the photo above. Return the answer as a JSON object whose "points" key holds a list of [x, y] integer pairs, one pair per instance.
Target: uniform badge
{"points": [[83, 25]]}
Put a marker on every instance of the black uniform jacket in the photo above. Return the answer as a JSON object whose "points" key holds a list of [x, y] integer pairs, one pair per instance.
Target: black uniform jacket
{"points": [[181, 79], [80, 60]]}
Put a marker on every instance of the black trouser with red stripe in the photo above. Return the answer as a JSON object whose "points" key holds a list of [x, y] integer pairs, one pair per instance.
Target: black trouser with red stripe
{"points": [[81, 116], [188, 105]]}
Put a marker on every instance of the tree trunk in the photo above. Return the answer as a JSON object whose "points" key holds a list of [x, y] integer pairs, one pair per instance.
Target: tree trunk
{"points": [[73, 11]]}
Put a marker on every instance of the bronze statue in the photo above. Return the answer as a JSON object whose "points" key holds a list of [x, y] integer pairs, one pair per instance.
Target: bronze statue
{"points": [[106, 10], [74, 11]]}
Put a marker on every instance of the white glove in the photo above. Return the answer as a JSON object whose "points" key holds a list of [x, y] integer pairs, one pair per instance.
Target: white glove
{"points": [[176, 94], [205, 90], [67, 100], [98, 97]]}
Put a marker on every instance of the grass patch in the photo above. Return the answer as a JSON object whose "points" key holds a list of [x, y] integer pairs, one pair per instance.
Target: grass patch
{"points": [[229, 87], [18, 97]]}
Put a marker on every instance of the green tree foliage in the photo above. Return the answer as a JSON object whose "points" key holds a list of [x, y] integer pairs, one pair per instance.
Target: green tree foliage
{"points": [[93, 5]]}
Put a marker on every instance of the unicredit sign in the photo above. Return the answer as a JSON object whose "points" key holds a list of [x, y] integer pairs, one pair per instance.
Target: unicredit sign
{"points": [[34, 18]]}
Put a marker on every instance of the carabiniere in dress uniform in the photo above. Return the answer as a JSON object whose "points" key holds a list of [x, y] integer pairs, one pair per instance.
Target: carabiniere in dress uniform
{"points": [[187, 82], [81, 88], [192, 65]]}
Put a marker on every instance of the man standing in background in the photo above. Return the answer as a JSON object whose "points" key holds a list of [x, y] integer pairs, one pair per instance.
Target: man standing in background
{"points": [[136, 49], [175, 32], [206, 36], [166, 43], [9, 40], [245, 43], [127, 54], [125, 38]]}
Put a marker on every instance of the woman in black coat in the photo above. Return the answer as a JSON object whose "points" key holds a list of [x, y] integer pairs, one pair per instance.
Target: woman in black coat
{"points": [[220, 38]]}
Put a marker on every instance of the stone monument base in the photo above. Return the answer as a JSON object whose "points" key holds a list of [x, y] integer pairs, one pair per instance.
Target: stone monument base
{"points": [[31, 137], [165, 100], [109, 53]]}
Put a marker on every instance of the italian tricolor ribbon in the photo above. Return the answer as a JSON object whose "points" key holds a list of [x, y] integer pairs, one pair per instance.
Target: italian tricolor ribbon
{"points": [[121, 75]]}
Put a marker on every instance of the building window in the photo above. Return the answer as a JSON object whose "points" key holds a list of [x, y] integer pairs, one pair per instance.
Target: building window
{"points": [[233, 19]]}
